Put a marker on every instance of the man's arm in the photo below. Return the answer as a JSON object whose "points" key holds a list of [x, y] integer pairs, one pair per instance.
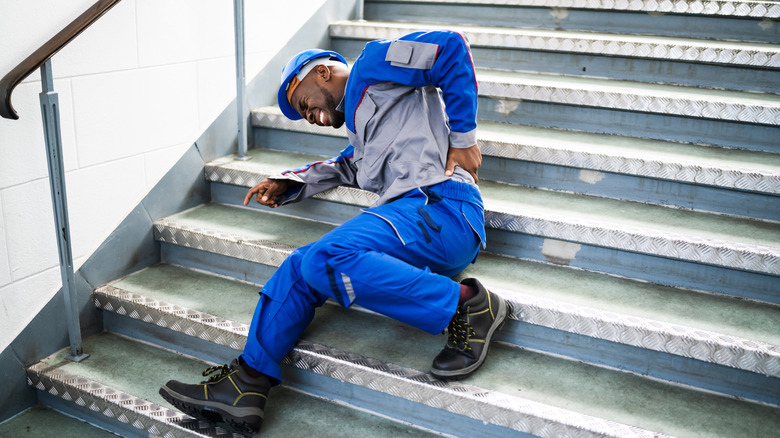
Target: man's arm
{"points": [[442, 59], [296, 184]]}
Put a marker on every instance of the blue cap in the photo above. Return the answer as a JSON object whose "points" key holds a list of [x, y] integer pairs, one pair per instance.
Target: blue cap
{"points": [[292, 68]]}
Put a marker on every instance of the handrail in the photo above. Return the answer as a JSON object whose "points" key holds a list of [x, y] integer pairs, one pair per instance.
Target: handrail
{"points": [[46, 51]]}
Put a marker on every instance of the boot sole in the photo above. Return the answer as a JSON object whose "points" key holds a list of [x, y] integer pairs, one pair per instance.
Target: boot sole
{"points": [[215, 413], [465, 372]]}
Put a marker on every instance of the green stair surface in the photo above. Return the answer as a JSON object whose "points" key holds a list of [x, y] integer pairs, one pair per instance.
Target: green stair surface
{"points": [[730, 316], [601, 392], [630, 160], [41, 422], [611, 153], [140, 369], [652, 220]]}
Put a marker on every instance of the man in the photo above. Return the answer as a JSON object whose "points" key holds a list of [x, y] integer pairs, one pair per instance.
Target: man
{"points": [[417, 150]]}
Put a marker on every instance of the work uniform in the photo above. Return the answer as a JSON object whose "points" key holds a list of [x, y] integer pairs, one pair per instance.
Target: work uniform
{"points": [[395, 258]]}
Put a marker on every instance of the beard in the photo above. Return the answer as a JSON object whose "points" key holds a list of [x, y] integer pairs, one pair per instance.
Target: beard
{"points": [[336, 117]]}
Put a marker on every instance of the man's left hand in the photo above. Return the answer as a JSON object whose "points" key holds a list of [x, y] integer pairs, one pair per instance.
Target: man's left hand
{"points": [[468, 159]]}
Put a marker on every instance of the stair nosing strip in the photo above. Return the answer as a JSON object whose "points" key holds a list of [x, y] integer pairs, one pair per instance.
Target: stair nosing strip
{"points": [[269, 253], [530, 417], [688, 7], [730, 177], [731, 351], [745, 256], [620, 100], [704, 345], [524, 415], [112, 403], [664, 48], [188, 321]]}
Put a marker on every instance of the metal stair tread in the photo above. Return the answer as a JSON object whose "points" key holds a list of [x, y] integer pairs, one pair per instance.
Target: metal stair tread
{"points": [[544, 379], [708, 238], [615, 86], [670, 48], [731, 168], [121, 365], [238, 223], [745, 8], [676, 100], [635, 307]]}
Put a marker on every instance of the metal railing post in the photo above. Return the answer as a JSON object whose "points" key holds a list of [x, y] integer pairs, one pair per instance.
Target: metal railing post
{"points": [[359, 10], [238, 18], [52, 135]]}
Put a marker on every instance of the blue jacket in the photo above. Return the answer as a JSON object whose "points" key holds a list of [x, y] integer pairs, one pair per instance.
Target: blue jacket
{"points": [[400, 127]]}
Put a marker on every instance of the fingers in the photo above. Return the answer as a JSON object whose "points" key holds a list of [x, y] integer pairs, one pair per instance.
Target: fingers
{"points": [[450, 168], [265, 193]]}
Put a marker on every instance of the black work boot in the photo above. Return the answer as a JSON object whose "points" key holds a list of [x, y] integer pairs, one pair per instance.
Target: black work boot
{"points": [[469, 333], [231, 398]]}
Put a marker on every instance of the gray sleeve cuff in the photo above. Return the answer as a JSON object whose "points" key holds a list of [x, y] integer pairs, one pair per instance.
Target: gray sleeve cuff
{"points": [[463, 140]]}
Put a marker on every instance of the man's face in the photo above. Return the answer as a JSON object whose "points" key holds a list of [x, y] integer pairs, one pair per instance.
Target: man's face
{"points": [[316, 102]]}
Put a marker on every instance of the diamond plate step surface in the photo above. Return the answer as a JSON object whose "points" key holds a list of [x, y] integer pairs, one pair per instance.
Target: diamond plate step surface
{"points": [[698, 237], [676, 60], [738, 20], [632, 96], [737, 8], [727, 168], [578, 302], [121, 379], [544, 384], [720, 52]]}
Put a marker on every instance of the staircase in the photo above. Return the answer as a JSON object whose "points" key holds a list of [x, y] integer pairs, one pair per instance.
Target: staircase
{"points": [[631, 177]]}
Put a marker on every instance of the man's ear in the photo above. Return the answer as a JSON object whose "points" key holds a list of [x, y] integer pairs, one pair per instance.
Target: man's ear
{"points": [[323, 72]]}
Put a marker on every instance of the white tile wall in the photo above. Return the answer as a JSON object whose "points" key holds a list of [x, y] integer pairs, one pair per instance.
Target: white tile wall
{"points": [[24, 26], [108, 45], [22, 300], [125, 113], [136, 89], [99, 198], [22, 149], [29, 227], [216, 88], [5, 268], [158, 163], [176, 31]]}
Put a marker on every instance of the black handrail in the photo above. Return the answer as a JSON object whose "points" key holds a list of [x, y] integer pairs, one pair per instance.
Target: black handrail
{"points": [[46, 51]]}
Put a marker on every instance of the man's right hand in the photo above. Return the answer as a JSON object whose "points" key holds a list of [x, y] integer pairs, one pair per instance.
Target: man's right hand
{"points": [[268, 190]]}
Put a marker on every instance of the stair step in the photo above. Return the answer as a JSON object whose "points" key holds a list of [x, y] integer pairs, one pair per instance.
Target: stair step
{"points": [[684, 175], [620, 56], [595, 305], [548, 393], [122, 377], [632, 96], [42, 422], [728, 168], [737, 8], [703, 238], [735, 20], [722, 52]]}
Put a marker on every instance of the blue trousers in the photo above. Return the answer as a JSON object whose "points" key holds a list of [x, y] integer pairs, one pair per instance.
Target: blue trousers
{"points": [[395, 259]]}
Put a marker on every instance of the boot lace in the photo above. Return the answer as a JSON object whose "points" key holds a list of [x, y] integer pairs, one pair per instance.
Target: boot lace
{"points": [[224, 371], [459, 331]]}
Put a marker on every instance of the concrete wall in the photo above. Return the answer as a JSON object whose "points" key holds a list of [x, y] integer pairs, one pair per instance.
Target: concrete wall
{"points": [[136, 90]]}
